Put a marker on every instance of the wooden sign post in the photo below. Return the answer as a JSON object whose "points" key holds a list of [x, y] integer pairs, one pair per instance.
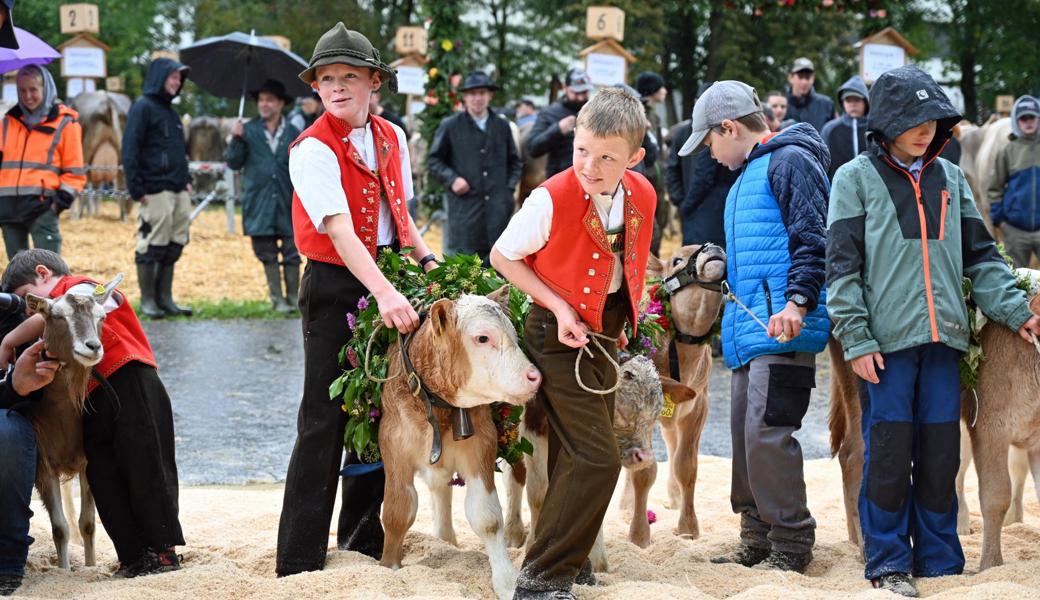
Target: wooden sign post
{"points": [[79, 18], [606, 61], [410, 40], [411, 43], [881, 52], [1005, 103], [83, 61]]}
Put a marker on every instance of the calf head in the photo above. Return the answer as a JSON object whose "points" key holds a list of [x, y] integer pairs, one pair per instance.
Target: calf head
{"points": [[468, 353], [694, 307], [638, 405], [73, 324]]}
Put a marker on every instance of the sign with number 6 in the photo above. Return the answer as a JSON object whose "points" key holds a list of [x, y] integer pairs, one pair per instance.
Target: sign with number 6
{"points": [[605, 22]]}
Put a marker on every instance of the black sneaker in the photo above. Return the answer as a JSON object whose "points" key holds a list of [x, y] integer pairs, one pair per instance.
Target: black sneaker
{"points": [[786, 561], [9, 583], [744, 555], [151, 562], [526, 594], [897, 583]]}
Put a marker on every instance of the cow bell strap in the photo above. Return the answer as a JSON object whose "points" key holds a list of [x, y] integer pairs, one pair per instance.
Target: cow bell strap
{"points": [[461, 424], [693, 340]]}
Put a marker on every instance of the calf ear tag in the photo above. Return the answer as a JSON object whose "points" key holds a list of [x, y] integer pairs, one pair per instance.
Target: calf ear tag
{"points": [[668, 410]]}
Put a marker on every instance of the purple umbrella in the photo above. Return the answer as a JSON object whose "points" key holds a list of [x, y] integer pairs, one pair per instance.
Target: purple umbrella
{"points": [[31, 51]]}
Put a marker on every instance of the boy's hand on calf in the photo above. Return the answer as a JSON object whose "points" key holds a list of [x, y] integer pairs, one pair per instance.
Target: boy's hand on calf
{"points": [[1030, 326], [397, 311], [863, 366], [787, 324]]}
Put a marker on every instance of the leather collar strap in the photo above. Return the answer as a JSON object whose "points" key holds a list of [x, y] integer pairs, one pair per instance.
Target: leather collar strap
{"points": [[461, 424], [693, 340]]}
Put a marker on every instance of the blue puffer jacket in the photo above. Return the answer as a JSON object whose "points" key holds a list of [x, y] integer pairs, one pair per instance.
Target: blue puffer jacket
{"points": [[776, 215]]}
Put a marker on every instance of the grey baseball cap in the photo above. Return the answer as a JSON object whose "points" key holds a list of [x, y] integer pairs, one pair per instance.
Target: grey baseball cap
{"points": [[723, 100], [578, 81], [801, 64]]}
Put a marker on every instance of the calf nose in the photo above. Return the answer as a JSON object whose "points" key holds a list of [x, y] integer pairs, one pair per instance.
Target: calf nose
{"points": [[94, 345], [534, 378]]}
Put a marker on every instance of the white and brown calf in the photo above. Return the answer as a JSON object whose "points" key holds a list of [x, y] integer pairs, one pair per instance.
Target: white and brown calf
{"points": [[466, 352]]}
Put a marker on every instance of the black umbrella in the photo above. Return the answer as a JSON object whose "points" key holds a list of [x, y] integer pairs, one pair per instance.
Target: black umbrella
{"points": [[231, 65]]}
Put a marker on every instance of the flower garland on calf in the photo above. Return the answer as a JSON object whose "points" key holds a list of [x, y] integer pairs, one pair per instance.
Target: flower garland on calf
{"points": [[361, 396]]}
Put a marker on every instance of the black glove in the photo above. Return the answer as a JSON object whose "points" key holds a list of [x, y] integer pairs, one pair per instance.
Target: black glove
{"points": [[62, 201]]}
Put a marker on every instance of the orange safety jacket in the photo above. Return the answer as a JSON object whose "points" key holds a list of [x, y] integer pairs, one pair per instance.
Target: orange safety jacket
{"points": [[38, 162]]}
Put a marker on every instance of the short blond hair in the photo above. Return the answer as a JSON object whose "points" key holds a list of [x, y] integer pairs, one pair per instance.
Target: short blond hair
{"points": [[613, 111]]}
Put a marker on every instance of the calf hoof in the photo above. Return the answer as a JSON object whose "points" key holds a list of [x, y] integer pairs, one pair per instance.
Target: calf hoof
{"points": [[690, 531], [640, 537], [1014, 515]]}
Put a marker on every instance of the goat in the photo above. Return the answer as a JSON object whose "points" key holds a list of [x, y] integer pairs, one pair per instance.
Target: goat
{"points": [[72, 333]]}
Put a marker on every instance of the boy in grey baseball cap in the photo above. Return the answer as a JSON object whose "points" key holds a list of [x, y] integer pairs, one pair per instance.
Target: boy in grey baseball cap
{"points": [[775, 244]]}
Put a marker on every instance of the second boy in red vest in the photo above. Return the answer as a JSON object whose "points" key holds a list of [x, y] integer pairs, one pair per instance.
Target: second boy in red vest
{"points": [[579, 247], [353, 181], [128, 438]]}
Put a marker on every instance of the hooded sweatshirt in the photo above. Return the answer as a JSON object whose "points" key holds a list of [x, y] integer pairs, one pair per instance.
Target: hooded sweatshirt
{"points": [[155, 158], [1014, 190], [846, 136], [899, 244]]}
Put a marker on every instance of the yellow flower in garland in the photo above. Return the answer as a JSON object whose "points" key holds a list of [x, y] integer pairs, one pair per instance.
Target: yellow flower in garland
{"points": [[447, 45], [433, 72]]}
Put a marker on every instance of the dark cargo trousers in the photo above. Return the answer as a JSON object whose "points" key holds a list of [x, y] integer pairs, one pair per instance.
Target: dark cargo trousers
{"points": [[911, 439], [583, 457], [769, 397], [327, 293]]}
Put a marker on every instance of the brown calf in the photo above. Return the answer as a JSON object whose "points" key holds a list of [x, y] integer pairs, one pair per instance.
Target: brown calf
{"points": [[466, 352]]}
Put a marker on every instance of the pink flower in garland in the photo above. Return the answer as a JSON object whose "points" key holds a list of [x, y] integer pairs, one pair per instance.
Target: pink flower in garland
{"points": [[655, 307], [352, 321], [352, 358], [651, 517], [362, 304]]}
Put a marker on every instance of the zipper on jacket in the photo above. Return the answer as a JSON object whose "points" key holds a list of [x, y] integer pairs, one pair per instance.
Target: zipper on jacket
{"points": [[942, 216], [769, 298], [1033, 214], [924, 243]]}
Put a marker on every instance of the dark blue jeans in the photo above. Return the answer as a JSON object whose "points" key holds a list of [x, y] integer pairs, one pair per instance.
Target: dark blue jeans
{"points": [[17, 474]]}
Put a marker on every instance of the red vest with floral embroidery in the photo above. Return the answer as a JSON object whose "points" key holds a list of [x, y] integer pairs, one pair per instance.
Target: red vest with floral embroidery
{"points": [[361, 185], [122, 336], [577, 262]]}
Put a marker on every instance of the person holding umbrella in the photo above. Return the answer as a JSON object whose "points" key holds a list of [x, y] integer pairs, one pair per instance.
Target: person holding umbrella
{"points": [[7, 39], [353, 182], [155, 162], [42, 170], [261, 148]]}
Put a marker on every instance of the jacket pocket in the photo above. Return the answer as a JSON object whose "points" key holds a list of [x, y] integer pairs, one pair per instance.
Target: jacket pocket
{"points": [[769, 298], [942, 214], [787, 398]]}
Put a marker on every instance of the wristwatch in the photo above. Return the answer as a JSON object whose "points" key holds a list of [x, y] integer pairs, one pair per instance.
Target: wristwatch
{"points": [[799, 299], [428, 258]]}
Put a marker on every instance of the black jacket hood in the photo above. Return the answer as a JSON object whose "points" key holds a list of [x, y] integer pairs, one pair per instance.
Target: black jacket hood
{"points": [[155, 79], [902, 99], [799, 134], [855, 85]]}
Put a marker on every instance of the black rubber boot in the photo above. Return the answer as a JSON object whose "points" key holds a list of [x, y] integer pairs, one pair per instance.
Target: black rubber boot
{"points": [[146, 275], [786, 561], [292, 286], [897, 583], [274, 288], [9, 583], [743, 555], [164, 293]]}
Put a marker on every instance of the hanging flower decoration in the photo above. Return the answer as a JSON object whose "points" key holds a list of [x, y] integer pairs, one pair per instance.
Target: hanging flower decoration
{"points": [[447, 45]]}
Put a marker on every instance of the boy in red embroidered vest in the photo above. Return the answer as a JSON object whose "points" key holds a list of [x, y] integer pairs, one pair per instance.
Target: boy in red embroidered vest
{"points": [[579, 247], [128, 439], [352, 179]]}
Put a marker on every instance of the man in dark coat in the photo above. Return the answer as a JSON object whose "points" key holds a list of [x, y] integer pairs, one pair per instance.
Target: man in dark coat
{"points": [[261, 147], [845, 136], [804, 105], [553, 132], [7, 39], [155, 162], [473, 154], [697, 186]]}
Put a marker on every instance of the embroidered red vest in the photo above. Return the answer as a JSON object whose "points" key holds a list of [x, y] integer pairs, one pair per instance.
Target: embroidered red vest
{"points": [[122, 336], [577, 262], [361, 186]]}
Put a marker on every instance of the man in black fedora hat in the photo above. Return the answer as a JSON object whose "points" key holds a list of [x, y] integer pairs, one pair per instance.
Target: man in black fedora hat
{"points": [[261, 148], [474, 156], [352, 179]]}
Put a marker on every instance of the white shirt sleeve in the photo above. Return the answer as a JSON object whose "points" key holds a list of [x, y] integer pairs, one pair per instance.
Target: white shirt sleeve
{"points": [[406, 162], [87, 289], [314, 171], [528, 230]]}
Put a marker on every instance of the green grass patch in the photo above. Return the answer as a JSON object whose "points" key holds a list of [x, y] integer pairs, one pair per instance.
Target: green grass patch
{"points": [[226, 309]]}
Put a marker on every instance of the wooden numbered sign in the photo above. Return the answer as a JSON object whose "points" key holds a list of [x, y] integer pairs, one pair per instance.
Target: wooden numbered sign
{"points": [[115, 83], [1005, 104], [79, 18], [605, 22], [410, 40], [282, 41]]}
